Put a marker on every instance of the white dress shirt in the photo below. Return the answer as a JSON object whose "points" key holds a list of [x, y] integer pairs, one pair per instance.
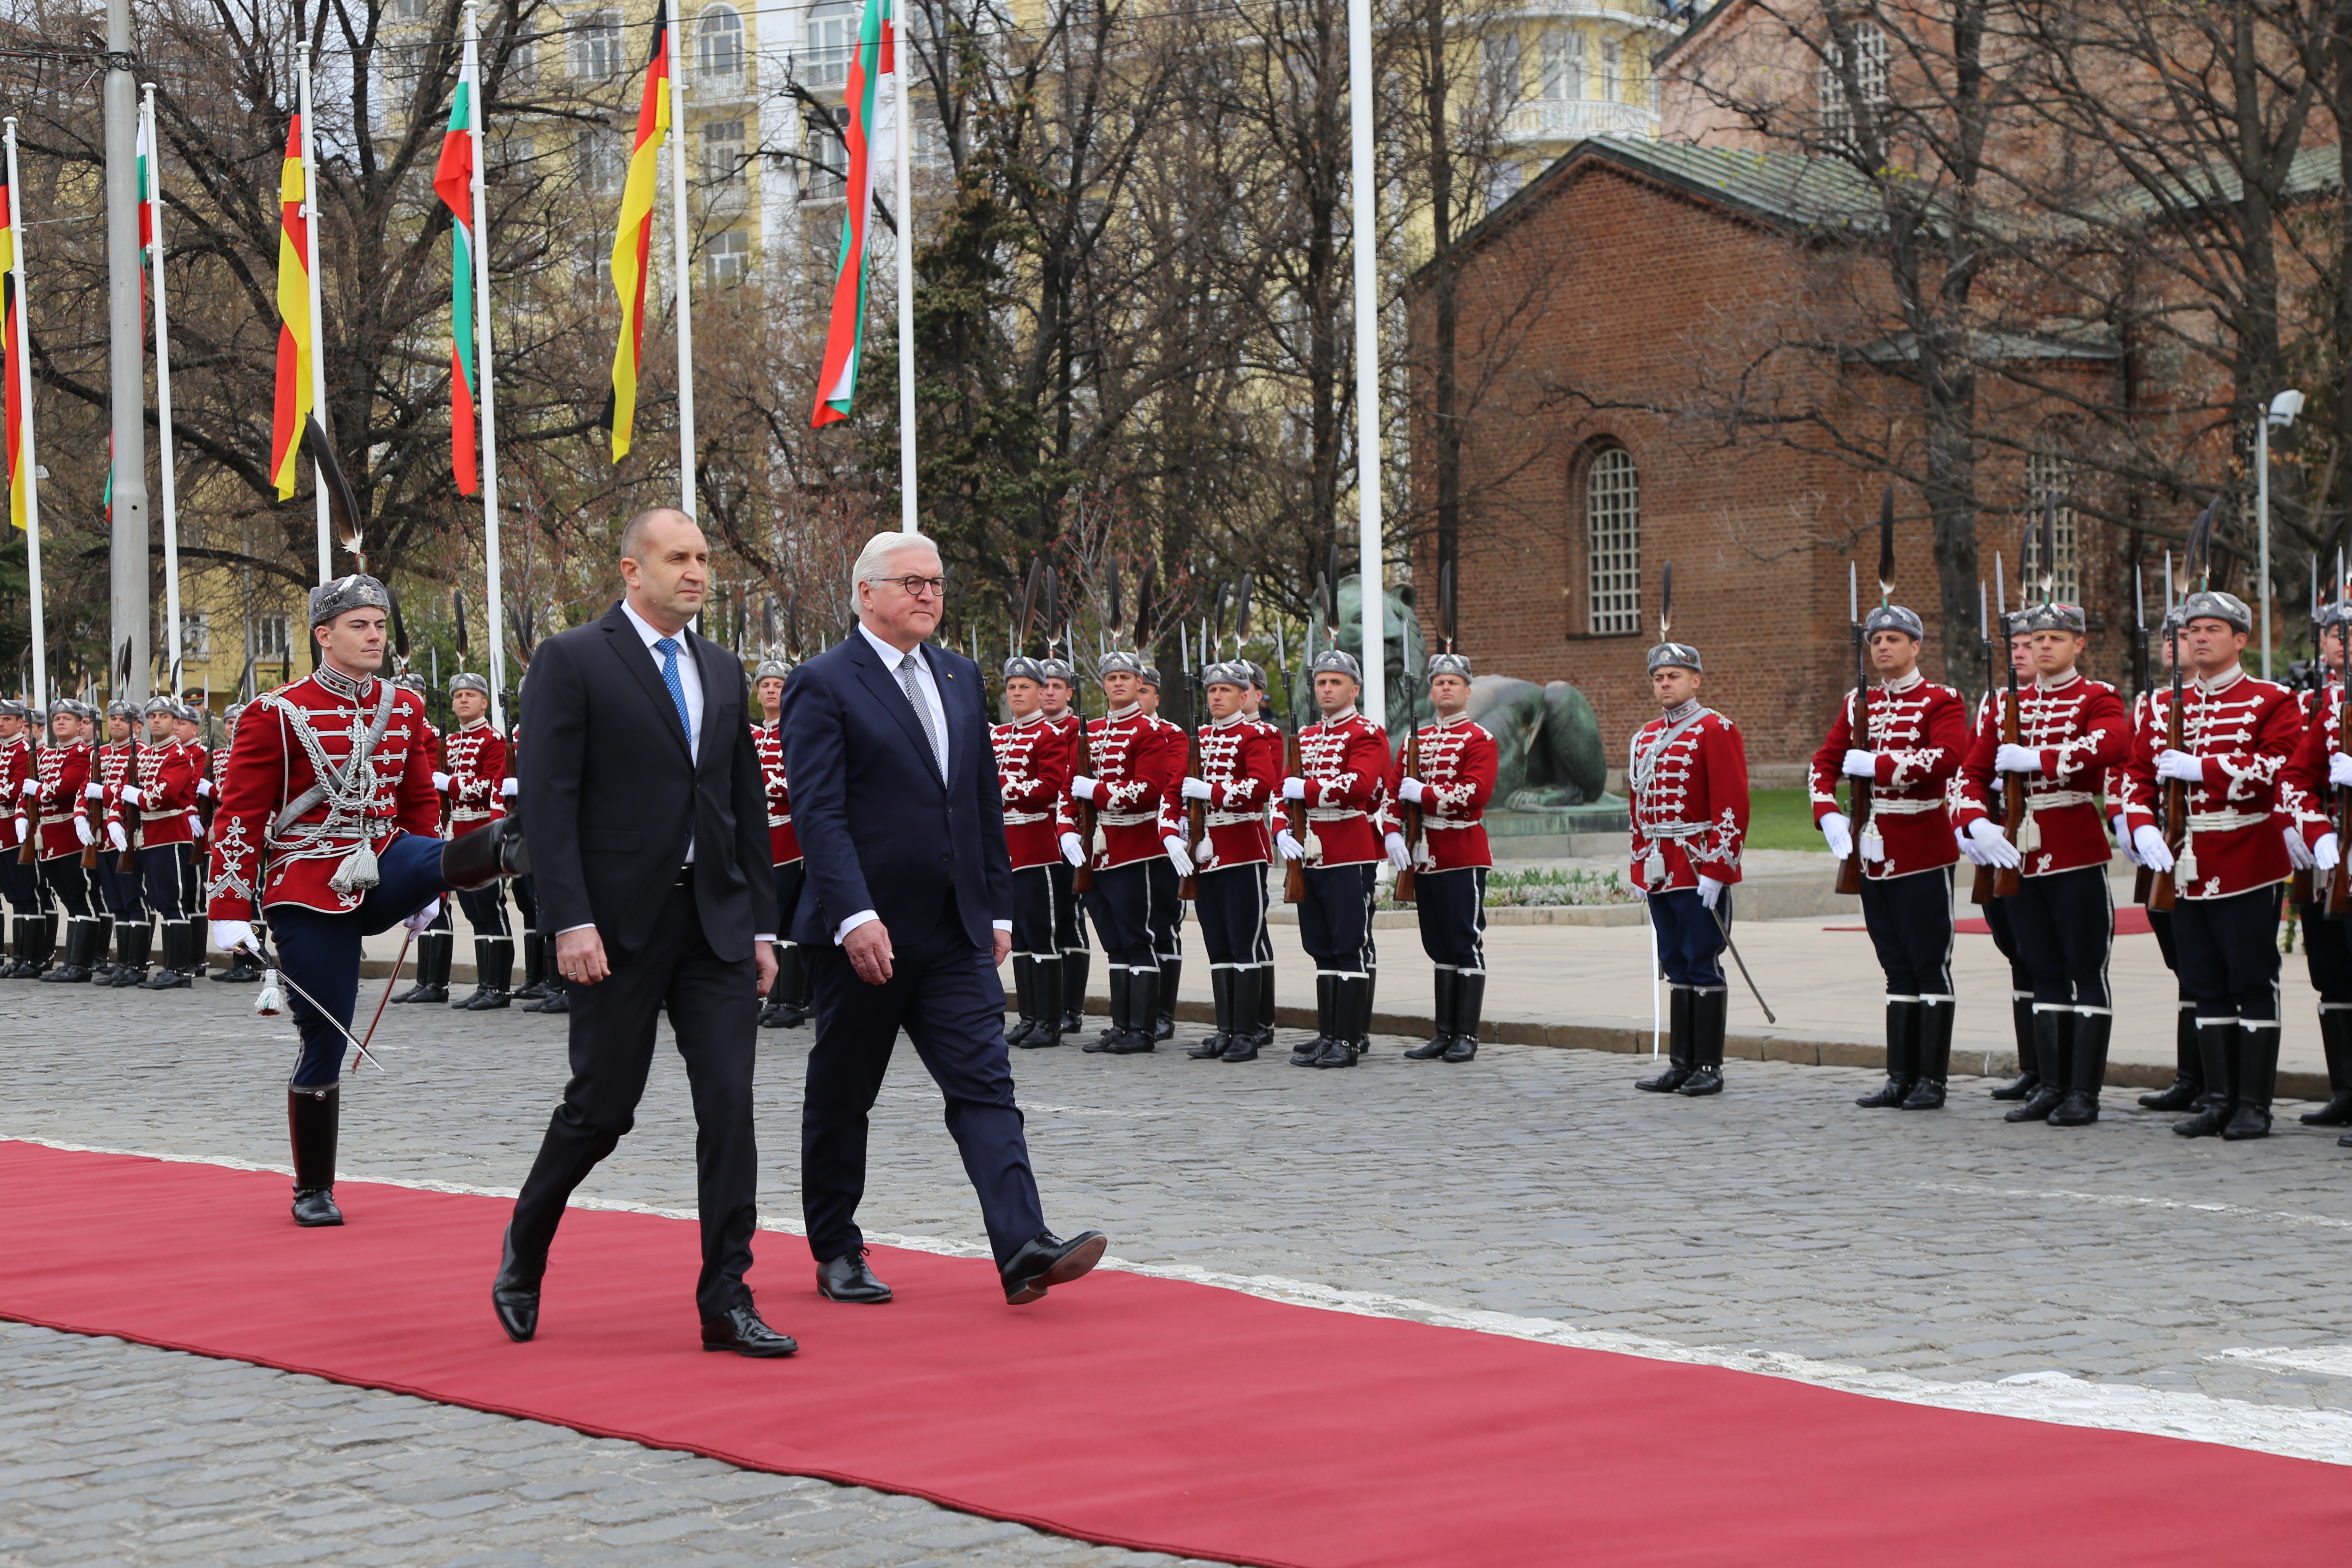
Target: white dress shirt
{"points": [[936, 723]]}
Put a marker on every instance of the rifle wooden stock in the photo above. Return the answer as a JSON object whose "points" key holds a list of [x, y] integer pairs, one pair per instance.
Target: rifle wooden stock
{"points": [[2006, 882], [2298, 888], [128, 864], [1404, 893], [2143, 885], [1294, 872]]}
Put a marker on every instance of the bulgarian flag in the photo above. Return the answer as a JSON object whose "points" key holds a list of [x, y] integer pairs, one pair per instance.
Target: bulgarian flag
{"points": [[453, 181], [632, 244], [295, 327], [837, 381], [146, 199], [10, 365]]}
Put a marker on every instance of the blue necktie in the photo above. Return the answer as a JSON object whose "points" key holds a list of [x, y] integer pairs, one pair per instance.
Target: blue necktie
{"points": [[668, 649]]}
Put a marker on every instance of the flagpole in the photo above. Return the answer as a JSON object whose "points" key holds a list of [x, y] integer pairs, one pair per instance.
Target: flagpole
{"points": [[28, 468], [907, 519], [681, 251], [163, 390], [479, 129], [1363, 224], [313, 232]]}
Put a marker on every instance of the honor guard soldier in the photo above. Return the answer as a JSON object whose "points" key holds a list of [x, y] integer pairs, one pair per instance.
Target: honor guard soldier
{"points": [[788, 999], [1069, 925], [473, 775], [32, 928], [157, 801], [61, 829], [1241, 772], [436, 944], [1033, 777], [1167, 907], [2072, 731], [1915, 733], [1996, 910], [1343, 762], [2237, 733], [188, 728], [330, 822], [1687, 789], [111, 766], [2312, 789], [2188, 1086], [1138, 763], [244, 967], [1454, 765], [1254, 706]]}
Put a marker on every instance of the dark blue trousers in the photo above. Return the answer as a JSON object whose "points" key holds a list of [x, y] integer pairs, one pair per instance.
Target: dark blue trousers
{"points": [[1690, 944], [944, 991], [21, 885], [161, 867], [320, 953], [1121, 907], [1231, 905], [125, 897], [1335, 921], [1451, 906]]}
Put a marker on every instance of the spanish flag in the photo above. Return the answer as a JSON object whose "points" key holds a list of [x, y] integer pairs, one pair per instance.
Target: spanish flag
{"points": [[10, 364], [632, 244], [836, 385], [295, 330]]}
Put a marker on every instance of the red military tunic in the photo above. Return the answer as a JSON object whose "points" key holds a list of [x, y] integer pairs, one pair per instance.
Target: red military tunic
{"points": [[1033, 775], [2306, 798], [768, 743], [474, 759], [1240, 762], [115, 764], [386, 793], [61, 777], [2080, 728], [17, 762], [1457, 770], [2244, 731], [1345, 761], [1139, 765], [1920, 731], [1687, 788], [1070, 735], [166, 781]]}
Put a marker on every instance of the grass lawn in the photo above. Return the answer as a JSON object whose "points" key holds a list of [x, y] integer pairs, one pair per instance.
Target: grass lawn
{"points": [[1781, 819]]}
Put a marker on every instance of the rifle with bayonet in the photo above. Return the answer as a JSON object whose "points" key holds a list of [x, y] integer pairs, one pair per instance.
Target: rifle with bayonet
{"points": [[1980, 886], [2163, 889], [2006, 882], [2144, 879]]}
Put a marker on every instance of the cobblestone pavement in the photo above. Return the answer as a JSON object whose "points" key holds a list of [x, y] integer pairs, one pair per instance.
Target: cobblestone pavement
{"points": [[1776, 1220]]}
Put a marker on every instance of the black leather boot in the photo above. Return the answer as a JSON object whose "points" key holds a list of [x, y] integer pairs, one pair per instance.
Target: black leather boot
{"points": [[81, 938], [20, 946], [2020, 1024], [1142, 1013], [242, 968], [793, 980], [1710, 1012], [1327, 990], [1115, 973], [1076, 961], [1678, 1044], [312, 1117], [1163, 1017], [1901, 1056], [2188, 1070], [1265, 1004], [534, 967], [493, 973], [557, 1000], [1934, 1059], [435, 947], [2051, 1044], [1024, 993], [1371, 989], [2216, 1044], [2257, 1080], [135, 946], [1352, 1011], [2086, 1071], [1220, 998], [1469, 997], [168, 975], [2336, 1041], [100, 967], [1243, 987], [1045, 975], [44, 946], [1442, 1013]]}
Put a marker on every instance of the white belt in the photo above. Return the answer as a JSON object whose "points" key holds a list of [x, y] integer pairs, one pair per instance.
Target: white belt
{"points": [[1673, 829], [145, 815], [1904, 807], [2057, 797], [1433, 823], [2223, 821], [783, 821], [1234, 819], [1332, 814], [1012, 818], [1124, 819]]}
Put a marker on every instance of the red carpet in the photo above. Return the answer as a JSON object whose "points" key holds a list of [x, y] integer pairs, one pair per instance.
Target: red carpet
{"points": [[1129, 1410]]}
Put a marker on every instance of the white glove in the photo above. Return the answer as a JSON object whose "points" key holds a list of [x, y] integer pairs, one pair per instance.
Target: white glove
{"points": [[81, 830], [1294, 789], [204, 788], [1860, 764], [1709, 889], [441, 783], [1071, 850], [1082, 788], [2171, 765], [230, 935], [1408, 791], [2339, 771], [2016, 760], [94, 792], [2327, 854], [509, 787], [116, 836], [1997, 849], [195, 825], [1177, 855], [2297, 855], [1968, 848], [131, 794], [1291, 849], [1400, 855], [425, 916], [32, 787], [2154, 852], [23, 828], [1195, 789], [1839, 832], [2123, 839]]}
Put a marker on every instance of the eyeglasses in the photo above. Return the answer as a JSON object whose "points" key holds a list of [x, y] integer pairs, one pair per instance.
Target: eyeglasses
{"points": [[916, 587]]}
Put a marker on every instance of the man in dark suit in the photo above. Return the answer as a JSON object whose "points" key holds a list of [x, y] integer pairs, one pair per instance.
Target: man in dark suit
{"points": [[902, 832], [638, 769]]}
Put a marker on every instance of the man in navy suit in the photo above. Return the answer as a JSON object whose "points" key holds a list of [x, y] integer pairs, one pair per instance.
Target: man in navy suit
{"points": [[905, 914]]}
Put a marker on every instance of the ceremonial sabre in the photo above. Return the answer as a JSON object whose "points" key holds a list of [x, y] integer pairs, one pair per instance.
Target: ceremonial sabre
{"points": [[406, 936], [278, 971], [1743, 972]]}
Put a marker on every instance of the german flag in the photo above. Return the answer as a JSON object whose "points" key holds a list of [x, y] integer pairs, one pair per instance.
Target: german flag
{"points": [[295, 332], [632, 244], [10, 364]]}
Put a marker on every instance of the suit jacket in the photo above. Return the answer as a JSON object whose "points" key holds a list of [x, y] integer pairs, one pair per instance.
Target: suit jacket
{"points": [[878, 830], [610, 793]]}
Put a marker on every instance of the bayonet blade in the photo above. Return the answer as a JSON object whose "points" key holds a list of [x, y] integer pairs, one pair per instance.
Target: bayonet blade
{"points": [[1886, 545]]}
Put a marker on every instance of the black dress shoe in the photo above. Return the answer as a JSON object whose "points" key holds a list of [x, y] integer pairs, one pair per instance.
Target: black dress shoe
{"points": [[1430, 1049], [514, 1294], [846, 1278], [2181, 1095], [1046, 1259], [1241, 1048], [315, 1207], [741, 1331]]}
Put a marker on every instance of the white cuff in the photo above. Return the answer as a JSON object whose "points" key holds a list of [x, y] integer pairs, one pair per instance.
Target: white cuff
{"points": [[1001, 925], [841, 932]]}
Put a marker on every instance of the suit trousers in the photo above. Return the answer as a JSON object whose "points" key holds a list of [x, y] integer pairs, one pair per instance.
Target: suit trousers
{"points": [[320, 951], [945, 993], [714, 1010]]}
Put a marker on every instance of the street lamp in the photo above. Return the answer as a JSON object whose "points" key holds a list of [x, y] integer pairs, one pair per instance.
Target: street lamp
{"points": [[2283, 410]]}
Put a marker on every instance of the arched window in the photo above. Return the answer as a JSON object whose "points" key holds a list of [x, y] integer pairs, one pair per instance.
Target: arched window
{"points": [[1612, 542], [721, 42], [2048, 474]]}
